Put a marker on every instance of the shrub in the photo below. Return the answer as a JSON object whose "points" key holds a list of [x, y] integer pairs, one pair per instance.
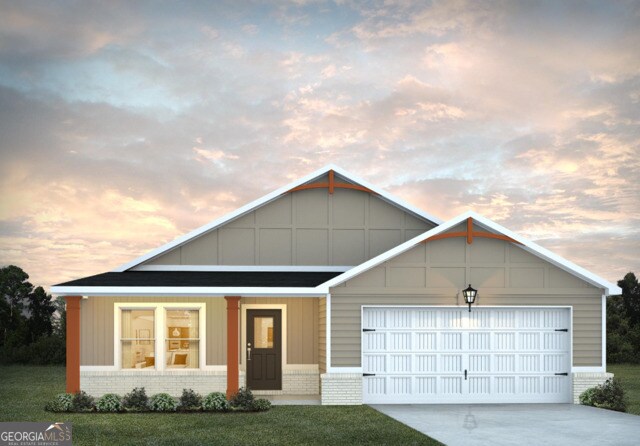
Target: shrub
{"points": [[190, 400], [82, 402], [609, 395], [162, 402], [109, 402], [261, 405], [136, 400], [242, 399], [62, 402], [216, 402]]}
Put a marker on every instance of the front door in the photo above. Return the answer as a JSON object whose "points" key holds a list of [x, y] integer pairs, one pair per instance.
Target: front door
{"points": [[264, 349]]}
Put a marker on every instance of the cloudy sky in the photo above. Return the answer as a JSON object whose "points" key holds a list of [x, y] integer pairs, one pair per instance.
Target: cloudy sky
{"points": [[126, 124]]}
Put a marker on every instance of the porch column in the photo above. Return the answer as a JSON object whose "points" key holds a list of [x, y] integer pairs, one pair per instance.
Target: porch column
{"points": [[73, 343], [233, 344]]}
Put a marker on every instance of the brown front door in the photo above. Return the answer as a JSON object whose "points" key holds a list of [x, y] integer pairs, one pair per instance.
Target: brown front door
{"points": [[264, 349]]}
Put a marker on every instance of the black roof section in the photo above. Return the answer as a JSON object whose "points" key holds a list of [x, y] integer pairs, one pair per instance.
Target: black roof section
{"points": [[205, 279]]}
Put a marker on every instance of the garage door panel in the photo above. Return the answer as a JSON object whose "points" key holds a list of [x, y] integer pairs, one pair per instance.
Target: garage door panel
{"points": [[510, 355]]}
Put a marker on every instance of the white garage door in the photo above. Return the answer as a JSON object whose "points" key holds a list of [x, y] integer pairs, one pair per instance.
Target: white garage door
{"points": [[448, 355]]}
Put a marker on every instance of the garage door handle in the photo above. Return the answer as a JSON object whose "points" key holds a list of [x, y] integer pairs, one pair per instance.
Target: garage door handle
{"points": [[566, 330], [561, 374], [465, 374]]}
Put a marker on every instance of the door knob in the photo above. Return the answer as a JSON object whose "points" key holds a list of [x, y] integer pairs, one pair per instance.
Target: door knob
{"points": [[249, 351]]}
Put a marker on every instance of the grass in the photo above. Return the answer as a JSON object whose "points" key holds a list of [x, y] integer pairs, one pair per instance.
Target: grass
{"points": [[629, 375], [24, 391]]}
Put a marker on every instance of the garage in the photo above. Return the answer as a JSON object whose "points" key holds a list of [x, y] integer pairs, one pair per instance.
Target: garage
{"points": [[430, 355]]}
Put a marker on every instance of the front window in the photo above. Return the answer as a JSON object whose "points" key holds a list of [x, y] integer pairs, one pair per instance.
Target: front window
{"points": [[137, 338], [182, 339]]}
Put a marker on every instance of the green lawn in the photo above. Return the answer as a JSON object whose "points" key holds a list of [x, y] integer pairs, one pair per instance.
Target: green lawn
{"points": [[629, 375], [25, 390]]}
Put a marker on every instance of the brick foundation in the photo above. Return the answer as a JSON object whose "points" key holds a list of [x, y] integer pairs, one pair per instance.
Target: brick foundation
{"points": [[585, 380], [341, 389]]}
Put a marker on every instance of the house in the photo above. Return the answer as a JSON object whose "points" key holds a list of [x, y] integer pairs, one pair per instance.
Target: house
{"points": [[332, 288]]}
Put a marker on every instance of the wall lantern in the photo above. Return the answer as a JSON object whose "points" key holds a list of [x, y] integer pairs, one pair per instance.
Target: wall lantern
{"points": [[469, 295]]}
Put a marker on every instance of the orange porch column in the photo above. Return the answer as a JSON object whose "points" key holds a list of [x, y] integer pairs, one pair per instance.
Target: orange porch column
{"points": [[73, 343], [233, 361]]}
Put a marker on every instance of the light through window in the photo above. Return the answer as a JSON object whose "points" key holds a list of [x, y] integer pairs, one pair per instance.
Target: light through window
{"points": [[182, 339], [137, 337]]}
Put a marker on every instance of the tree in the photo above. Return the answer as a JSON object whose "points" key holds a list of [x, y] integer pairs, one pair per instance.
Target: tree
{"points": [[631, 298], [60, 318], [14, 289], [41, 309]]}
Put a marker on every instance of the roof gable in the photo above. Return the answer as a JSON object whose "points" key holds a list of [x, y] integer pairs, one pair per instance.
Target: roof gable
{"points": [[453, 226], [329, 176]]}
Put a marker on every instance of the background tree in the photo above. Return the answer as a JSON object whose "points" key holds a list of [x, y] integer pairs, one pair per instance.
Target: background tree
{"points": [[623, 322], [41, 309], [14, 289]]}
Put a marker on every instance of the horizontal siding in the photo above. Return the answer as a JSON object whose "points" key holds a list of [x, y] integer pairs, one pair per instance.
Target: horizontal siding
{"points": [[346, 324], [322, 334]]}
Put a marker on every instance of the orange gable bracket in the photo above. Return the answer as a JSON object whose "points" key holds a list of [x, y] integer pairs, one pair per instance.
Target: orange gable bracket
{"points": [[470, 234], [331, 185]]}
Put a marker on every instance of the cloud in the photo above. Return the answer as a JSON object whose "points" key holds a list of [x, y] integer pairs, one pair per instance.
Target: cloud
{"points": [[126, 125]]}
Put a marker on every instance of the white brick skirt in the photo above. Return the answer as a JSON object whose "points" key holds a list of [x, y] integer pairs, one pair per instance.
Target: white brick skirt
{"points": [[341, 388], [585, 380], [97, 383]]}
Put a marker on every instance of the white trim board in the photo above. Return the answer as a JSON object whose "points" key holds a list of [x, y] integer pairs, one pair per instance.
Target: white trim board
{"points": [[246, 268], [527, 245], [270, 197], [176, 291]]}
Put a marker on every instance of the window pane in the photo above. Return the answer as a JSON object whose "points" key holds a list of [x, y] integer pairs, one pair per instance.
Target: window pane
{"points": [[138, 344], [263, 332], [183, 332]]}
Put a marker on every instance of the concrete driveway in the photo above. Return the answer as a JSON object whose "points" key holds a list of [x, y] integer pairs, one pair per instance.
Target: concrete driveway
{"points": [[519, 424]]}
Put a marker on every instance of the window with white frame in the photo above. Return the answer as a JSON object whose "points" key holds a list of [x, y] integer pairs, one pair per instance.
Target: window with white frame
{"points": [[137, 339], [160, 336], [182, 345]]}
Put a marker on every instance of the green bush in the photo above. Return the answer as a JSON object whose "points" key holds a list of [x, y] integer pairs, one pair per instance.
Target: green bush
{"points": [[242, 399], [190, 400], [609, 395], [216, 402], [261, 405], [163, 402], [49, 350], [136, 400], [109, 402], [82, 402], [62, 402]]}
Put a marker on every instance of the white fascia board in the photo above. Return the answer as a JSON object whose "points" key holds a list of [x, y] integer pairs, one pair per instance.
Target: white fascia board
{"points": [[527, 245], [389, 254], [387, 196], [266, 199], [185, 291], [245, 268]]}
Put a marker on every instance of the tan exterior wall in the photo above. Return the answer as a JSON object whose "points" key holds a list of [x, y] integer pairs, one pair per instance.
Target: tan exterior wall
{"points": [[433, 273], [97, 320], [322, 334], [97, 325], [302, 327], [308, 227]]}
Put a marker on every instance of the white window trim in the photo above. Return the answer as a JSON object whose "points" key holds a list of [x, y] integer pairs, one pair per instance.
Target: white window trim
{"points": [[159, 319], [243, 331]]}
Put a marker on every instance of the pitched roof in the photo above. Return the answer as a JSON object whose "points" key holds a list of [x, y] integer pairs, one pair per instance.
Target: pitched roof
{"points": [[273, 196], [527, 245], [203, 279]]}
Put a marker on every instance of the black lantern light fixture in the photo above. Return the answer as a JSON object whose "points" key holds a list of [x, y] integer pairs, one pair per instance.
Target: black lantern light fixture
{"points": [[469, 295]]}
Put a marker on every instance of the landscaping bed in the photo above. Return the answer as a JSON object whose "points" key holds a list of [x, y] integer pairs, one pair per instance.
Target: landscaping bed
{"points": [[24, 391]]}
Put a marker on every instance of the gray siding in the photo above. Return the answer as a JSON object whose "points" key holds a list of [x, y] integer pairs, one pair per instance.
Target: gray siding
{"points": [[433, 273], [308, 227]]}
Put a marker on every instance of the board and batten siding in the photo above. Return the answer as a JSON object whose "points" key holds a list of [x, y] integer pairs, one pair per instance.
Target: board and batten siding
{"points": [[307, 227], [97, 325], [302, 326], [433, 273]]}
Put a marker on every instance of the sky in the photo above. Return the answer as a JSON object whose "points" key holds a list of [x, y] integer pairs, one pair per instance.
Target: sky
{"points": [[126, 124]]}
